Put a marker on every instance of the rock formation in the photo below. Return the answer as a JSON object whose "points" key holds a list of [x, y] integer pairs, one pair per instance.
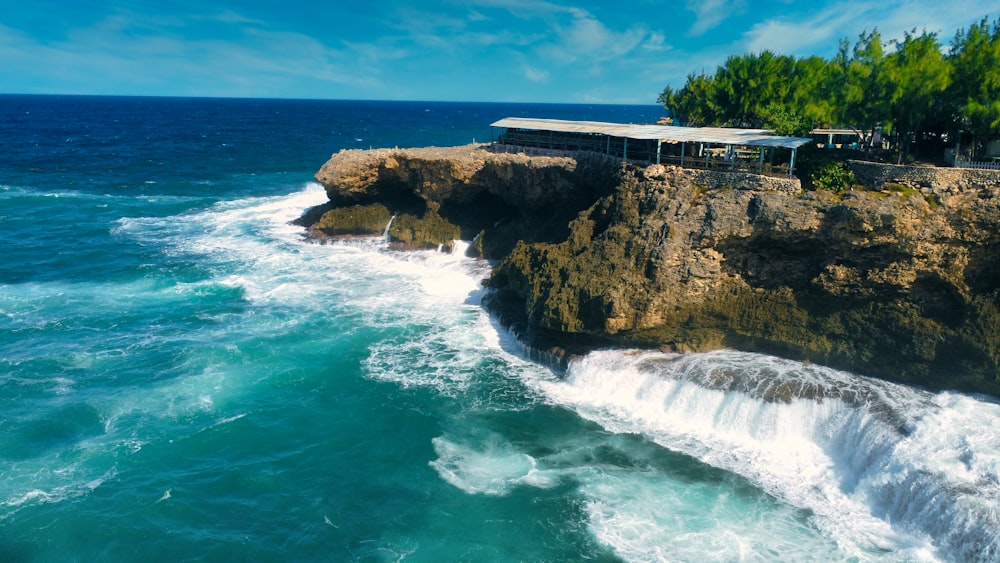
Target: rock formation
{"points": [[440, 194], [900, 283]]}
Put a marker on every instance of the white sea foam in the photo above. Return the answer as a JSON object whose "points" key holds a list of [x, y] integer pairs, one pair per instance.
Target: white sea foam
{"points": [[252, 247], [897, 474], [641, 511], [165, 496], [886, 472], [492, 467], [645, 517], [60, 485]]}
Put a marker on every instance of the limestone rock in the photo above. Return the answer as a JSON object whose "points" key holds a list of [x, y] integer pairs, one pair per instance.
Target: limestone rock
{"points": [[895, 285], [901, 283], [506, 197]]}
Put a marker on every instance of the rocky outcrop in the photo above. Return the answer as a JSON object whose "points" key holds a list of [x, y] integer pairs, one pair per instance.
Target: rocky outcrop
{"points": [[469, 190], [893, 283]]}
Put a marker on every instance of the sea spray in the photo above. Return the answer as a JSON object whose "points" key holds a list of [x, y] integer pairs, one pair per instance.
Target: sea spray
{"points": [[856, 452], [385, 234]]}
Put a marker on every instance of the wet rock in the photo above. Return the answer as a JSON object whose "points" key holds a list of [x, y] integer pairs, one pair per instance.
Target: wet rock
{"points": [[901, 283]]}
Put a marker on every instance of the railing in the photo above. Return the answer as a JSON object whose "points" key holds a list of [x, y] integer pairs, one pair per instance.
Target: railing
{"points": [[978, 164], [752, 166]]}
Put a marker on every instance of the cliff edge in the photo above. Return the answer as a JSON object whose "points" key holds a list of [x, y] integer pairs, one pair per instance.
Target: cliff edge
{"points": [[899, 282]]}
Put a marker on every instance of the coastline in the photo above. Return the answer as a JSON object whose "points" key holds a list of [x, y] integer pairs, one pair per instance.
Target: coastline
{"points": [[894, 281]]}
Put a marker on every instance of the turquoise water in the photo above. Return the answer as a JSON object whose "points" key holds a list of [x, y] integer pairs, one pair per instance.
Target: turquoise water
{"points": [[182, 377]]}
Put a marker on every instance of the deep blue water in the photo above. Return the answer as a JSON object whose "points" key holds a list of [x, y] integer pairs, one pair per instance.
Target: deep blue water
{"points": [[183, 377]]}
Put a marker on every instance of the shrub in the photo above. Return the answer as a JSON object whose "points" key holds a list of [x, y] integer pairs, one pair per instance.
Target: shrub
{"points": [[834, 176]]}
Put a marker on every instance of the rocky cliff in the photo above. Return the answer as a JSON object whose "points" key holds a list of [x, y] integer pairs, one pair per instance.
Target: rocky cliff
{"points": [[900, 283], [439, 194]]}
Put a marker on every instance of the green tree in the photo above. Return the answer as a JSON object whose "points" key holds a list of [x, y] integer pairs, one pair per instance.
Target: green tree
{"points": [[668, 99], [837, 91], [917, 75], [814, 85], [784, 120], [864, 91], [748, 83], [694, 103], [912, 90], [975, 88], [833, 176]]}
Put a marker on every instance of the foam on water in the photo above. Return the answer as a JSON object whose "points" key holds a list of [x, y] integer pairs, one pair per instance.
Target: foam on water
{"points": [[187, 378], [78, 438], [250, 245], [254, 246], [493, 467], [849, 467], [55, 493], [109, 323], [894, 475], [818, 439], [636, 504], [647, 518]]}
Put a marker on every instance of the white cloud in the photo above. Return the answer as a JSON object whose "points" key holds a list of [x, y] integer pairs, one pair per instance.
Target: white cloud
{"points": [[585, 38], [943, 18], [656, 41], [710, 13], [130, 54], [535, 75], [372, 54], [231, 17], [821, 32], [796, 37]]}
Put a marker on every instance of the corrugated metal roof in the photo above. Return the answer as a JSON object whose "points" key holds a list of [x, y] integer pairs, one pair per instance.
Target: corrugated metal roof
{"points": [[835, 131], [668, 133]]}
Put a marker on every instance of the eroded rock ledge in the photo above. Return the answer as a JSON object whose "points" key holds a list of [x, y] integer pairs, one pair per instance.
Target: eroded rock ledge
{"points": [[439, 193], [899, 283]]}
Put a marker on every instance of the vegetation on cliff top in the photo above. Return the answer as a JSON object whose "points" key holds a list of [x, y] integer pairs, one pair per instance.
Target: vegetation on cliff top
{"points": [[909, 89]]}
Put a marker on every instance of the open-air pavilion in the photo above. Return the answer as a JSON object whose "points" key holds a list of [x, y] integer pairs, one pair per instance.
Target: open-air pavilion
{"points": [[724, 148]]}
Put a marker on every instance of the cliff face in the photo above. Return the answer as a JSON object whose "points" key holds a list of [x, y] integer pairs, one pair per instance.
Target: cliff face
{"points": [[440, 193], [894, 283]]}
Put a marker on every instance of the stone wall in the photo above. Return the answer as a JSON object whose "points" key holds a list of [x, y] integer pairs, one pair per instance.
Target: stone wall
{"points": [[719, 179], [710, 179], [934, 179]]}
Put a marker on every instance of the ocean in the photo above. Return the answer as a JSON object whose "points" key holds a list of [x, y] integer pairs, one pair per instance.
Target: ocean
{"points": [[184, 377]]}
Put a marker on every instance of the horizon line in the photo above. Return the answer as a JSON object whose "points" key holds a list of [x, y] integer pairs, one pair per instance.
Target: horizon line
{"points": [[274, 98]]}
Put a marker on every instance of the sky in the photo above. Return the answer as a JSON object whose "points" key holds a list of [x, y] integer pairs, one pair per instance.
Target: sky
{"points": [[624, 51]]}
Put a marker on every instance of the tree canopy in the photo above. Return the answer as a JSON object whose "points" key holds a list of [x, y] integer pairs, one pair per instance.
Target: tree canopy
{"points": [[906, 89]]}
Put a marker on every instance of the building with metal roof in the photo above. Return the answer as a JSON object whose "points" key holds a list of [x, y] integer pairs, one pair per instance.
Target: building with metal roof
{"points": [[708, 147]]}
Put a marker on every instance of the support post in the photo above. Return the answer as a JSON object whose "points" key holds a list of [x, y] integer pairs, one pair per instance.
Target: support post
{"points": [[659, 142], [625, 150], [683, 150], [791, 165], [760, 161]]}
